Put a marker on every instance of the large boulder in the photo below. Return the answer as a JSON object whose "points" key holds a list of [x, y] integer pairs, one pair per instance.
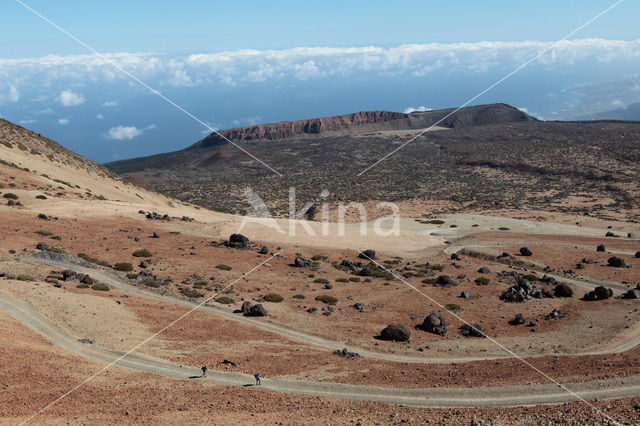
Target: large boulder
{"points": [[246, 308], [238, 241], [522, 291], [524, 251], [563, 290], [301, 262], [638, 255], [368, 255], [257, 311], [616, 262], [435, 323], [519, 319], [42, 246], [395, 333], [445, 281], [69, 275], [632, 294], [599, 293], [264, 250], [601, 247], [484, 270]]}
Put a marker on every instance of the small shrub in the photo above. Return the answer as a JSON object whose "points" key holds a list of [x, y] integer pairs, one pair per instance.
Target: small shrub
{"points": [[224, 267], [151, 283], [41, 197], [342, 280], [10, 196], [429, 281], [273, 298], [437, 267], [12, 251], [531, 277], [193, 294], [56, 237], [100, 287], [142, 253], [321, 281], [93, 260], [44, 233], [354, 279], [326, 313], [225, 300], [408, 274], [503, 228], [25, 277], [56, 250], [482, 280], [329, 300], [123, 267], [51, 280], [298, 296], [132, 276], [82, 286], [453, 307], [435, 221]]}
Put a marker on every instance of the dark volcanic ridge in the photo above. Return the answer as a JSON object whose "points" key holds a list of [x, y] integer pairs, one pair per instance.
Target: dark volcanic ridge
{"points": [[486, 156]]}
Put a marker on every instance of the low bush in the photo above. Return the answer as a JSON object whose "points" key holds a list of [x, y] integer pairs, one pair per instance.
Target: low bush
{"points": [[41, 197], [225, 300], [453, 307], [224, 267], [25, 277], [123, 267], [10, 196], [142, 253], [193, 294], [531, 277], [354, 279], [482, 280], [44, 233], [100, 287], [82, 286], [93, 260], [56, 250], [56, 237], [329, 300], [435, 221], [12, 251], [132, 276], [342, 280], [298, 296], [151, 283], [321, 281], [273, 298]]}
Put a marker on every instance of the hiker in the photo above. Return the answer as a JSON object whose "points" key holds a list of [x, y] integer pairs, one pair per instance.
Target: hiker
{"points": [[258, 379], [204, 371]]}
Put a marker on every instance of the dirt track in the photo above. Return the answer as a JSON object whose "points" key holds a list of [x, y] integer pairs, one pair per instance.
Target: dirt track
{"points": [[507, 396]]}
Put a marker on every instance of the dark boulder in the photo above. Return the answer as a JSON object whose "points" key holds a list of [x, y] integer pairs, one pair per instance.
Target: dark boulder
{"points": [[616, 262], [368, 254], [610, 234], [246, 308], [264, 250], [69, 275], [524, 251], [359, 307], [455, 256], [155, 235], [471, 330], [632, 294], [86, 279], [599, 293], [395, 333], [42, 246], [257, 311], [484, 270], [301, 262], [638, 255], [465, 295], [601, 247], [519, 319], [237, 241], [434, 323], [563, 290], [555, 314], [346, 354]]}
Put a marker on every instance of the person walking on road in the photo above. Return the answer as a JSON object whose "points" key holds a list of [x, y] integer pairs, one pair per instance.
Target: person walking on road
{"points": [[258, 382], [204, 371]]}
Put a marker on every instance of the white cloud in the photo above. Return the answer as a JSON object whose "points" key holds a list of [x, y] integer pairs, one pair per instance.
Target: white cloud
{"points": [[110, 104], [68, 98], [9, 94], [14, 95], [100, 117], [26, 122], [121, 133], [421, 108], [63, 121]]}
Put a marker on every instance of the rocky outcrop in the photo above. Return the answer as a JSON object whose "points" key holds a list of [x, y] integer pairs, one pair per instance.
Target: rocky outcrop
{"points": [[434, 323], [395, 333], [289, 129]]}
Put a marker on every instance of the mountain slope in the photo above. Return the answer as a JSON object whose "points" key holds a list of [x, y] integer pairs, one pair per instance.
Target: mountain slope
{"points": [[32, 163], [628, 113]]}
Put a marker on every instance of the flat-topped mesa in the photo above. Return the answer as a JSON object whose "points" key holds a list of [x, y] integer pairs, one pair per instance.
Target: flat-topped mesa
{"points": [[289, 129]]}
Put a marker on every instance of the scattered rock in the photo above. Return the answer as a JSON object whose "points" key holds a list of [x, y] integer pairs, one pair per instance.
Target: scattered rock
{"points": [[599, 293], [638, 255], [246, 308], [445, 281], [522, 291], [632, 294], [312, 310], [524, 251], [471, 330], [144, 264], [86, 340], [484, 270], [156, 216], [455, 256], [519, 319], [601, 247], [359, 307], [155, 235], [346, 354], [395, 333], [555, 314], [69, 275], [631, 235], [227, 362], [616, 262], [368, 254], [257, 311], [610, 234], [465, 295], [43, 216], [42, 246], [264, 250], [434, 323], [301, 262], [563, 290]]}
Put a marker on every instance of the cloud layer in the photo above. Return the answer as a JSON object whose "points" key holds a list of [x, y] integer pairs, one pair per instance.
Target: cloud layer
{"points": [[305, 63]]}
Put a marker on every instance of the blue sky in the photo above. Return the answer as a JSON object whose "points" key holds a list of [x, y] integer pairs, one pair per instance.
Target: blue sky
{"points": [[234, 64]]}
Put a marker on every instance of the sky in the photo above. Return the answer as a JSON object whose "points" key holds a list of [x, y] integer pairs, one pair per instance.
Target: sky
{"points": [[241, 63]]}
